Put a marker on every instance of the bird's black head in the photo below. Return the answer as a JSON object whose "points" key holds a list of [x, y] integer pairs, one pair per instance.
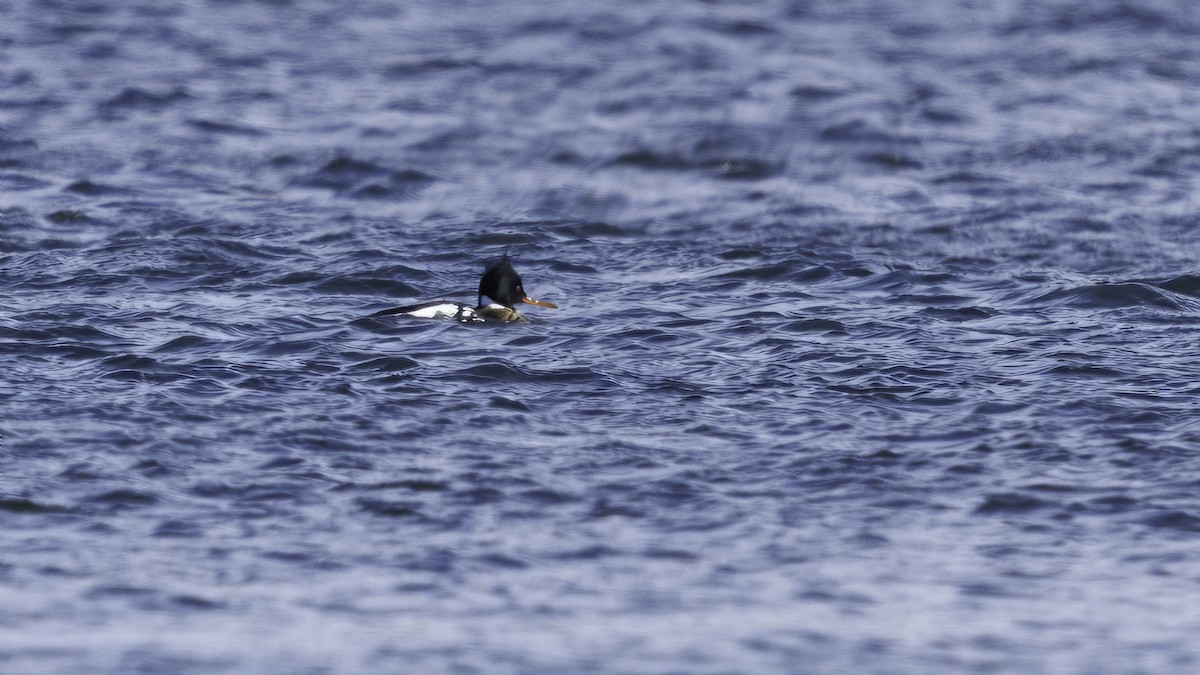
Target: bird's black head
{"points": [[502, 284]]}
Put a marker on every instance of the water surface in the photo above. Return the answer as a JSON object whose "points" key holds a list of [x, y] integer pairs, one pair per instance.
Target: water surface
{"points": [[876, 349]]}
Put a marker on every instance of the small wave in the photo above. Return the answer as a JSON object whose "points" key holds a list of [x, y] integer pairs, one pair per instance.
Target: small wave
{"points": [[123, 498], [24, 505], [863, 131], [359, 178], [16, 182], [226, 128], [386, 508], [178, 529], [1010, 502], [354, 284], [1109, 296], [729, 167], [413, 67], [186, 343], [959, 314], [387, 364], [815, 326], [1076, 370], [136, 98], [1187, 284], [92, 189], [1181, 521], [496, 371]]}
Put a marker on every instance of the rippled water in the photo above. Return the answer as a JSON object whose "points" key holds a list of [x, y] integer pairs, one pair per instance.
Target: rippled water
{"points": [[877, 348]]}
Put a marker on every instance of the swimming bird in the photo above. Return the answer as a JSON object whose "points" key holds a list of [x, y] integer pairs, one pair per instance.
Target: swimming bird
{"points": [[500, 283]]}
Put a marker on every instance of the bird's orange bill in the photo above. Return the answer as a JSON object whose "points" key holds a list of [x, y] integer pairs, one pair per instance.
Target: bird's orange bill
{"points": [[539, 303]]}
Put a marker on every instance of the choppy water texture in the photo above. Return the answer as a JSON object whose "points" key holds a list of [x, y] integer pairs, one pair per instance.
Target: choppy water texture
{"points": [[877, 349]]}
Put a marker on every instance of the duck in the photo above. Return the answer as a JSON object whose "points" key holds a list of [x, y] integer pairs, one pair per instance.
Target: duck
{"points": [[500, 283]]}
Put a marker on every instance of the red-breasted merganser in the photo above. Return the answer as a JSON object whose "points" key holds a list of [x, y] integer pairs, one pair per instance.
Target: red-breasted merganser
{"points": [[500, 282]]}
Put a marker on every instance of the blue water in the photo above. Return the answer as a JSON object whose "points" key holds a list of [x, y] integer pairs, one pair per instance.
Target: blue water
{"points": [[876, 350]]}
